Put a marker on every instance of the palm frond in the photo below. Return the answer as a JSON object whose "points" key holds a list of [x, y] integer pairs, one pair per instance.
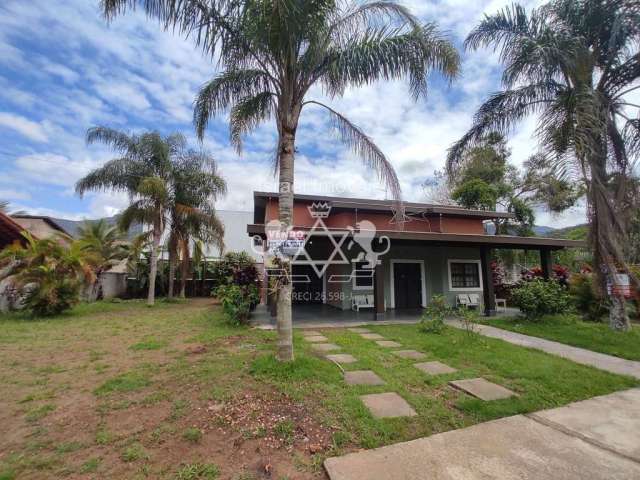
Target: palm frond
{"points": [[366, 149], [247, 114], [225, 90], [120, 141], [383, 54], [500, 113]]}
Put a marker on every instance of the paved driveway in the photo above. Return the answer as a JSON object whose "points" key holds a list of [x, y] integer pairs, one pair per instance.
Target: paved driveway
{"points": [[593, 439]]}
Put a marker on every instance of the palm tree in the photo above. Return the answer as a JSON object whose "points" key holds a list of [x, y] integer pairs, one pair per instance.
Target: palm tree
{"points": [[193, 219], [272, 52], [104, 245], [572, 63], [51, 273], [144, 171]]}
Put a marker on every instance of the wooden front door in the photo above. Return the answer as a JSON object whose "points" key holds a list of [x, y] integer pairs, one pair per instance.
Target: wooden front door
{"points": [[407, 285]]}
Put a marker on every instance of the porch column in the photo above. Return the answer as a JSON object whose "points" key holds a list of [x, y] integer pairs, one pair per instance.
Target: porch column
{"points": [[378, 293], [545, 263], [487, 282]]}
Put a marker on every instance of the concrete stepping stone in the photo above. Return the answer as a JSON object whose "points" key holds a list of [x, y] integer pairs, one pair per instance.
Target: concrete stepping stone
{"points": [[310, 333], [435, 368], [325, 347], [410, 354], [482, 389], [316, 338], [372, 336], [359, 330], [388, 343], [341, 358], [362, 377], [387, 405]]}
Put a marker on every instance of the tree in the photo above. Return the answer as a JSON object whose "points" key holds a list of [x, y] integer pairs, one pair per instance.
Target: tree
{"points": [[486, 181], [144, 171], [573, 63], [104, 246], [272, 52], [50, 273], [193, 220]]}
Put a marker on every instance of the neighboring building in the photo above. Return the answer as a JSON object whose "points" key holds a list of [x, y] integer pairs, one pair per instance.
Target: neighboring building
{"points": [[10, 231], [432, 250], [40, 226], [235, 235]]}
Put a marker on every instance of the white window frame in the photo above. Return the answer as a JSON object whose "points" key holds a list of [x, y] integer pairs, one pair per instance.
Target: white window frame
{"points": [[464, 289], [354, 285], [423, 280]]}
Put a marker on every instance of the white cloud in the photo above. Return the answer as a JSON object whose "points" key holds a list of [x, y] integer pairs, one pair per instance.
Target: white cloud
{"points": [[137, 77], [54, 169], [32, 130], [11, 194]]}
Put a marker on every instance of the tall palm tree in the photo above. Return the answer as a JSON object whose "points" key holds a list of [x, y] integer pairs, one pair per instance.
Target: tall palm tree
{"points": [[104, 245], [272, 52], [144, 171], [572, 63], [193, 219]]}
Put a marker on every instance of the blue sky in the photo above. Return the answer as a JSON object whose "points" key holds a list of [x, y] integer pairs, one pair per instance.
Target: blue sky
{"points": [[63, 70]]}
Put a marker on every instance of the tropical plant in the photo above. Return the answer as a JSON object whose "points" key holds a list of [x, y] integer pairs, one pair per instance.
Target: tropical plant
{"points": [[272, 52], [50, 273], [237, 301], [432, 320], [104, 246], [192, 217], [537, 298], [585, 298], [572, 63], [144, 171]]}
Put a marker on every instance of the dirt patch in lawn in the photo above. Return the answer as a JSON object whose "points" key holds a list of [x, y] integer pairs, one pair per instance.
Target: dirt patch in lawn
{"points": [[131, 394]]}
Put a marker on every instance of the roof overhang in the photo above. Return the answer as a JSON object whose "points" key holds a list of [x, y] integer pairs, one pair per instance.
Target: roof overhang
{"points": [[10, 231], [458, 239], [385, 206]]}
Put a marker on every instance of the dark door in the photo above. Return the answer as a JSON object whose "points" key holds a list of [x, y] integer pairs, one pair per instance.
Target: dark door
{"points": [[307, 286], [407, 285]]}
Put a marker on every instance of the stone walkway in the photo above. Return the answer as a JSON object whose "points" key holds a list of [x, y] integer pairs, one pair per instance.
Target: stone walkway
{"points": [[590, 440], [390, 404], [578, 355]]}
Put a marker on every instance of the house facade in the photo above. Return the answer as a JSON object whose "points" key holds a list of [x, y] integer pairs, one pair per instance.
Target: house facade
{"points": [[351, 251]]}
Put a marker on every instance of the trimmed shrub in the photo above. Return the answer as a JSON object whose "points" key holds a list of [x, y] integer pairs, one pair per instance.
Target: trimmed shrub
{"points": [[536, 298], [586, 300]]}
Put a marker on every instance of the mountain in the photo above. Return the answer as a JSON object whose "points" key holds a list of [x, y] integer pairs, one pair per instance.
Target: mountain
{"points": [[576, 232]]}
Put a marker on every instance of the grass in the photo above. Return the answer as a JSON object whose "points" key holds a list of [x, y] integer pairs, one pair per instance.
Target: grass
{"points": [[126, 382], [36, 414], [152, 397], [149, 344], [569, 329], [193, 435], [197, 471]]}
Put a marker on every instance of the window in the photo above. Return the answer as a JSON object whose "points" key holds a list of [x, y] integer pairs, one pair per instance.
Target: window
{"points": [[362, 277], [464, 275]]}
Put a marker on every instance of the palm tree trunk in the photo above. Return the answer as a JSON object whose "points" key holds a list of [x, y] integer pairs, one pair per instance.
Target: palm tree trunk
{"points": [[172, 269], [606, 255], [153, 268], [285, 215], [184, 271]]}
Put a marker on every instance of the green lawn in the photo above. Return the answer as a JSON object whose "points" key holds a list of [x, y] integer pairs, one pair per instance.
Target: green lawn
{"points": [[125, 391], [571, 330]]}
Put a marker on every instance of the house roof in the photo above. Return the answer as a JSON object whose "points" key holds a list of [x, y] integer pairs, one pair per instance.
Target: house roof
{"points": [[458, 239], [260, 199], [10, 231], [52, 222]]}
